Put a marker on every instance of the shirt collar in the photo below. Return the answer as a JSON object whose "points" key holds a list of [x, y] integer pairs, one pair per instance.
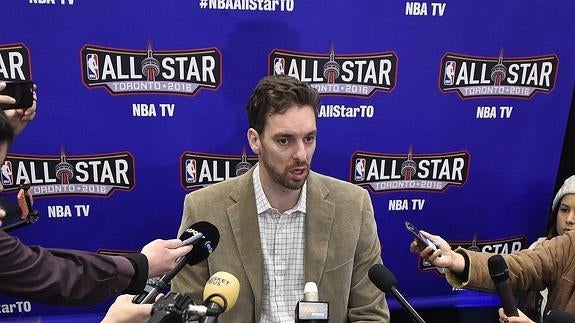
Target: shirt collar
{"points": [[262, 202]]}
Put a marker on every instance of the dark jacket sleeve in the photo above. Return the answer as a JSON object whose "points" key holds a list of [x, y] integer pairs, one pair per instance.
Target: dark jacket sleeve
{"points": [[58, 276]]}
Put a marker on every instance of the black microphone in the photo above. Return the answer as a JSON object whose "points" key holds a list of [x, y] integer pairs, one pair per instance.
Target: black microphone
{"points": [[557, 316], [310, 309], [205, 238], [384, 279], [500, 276]]}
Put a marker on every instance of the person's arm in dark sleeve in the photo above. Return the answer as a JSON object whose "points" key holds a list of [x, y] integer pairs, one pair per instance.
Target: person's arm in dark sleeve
{"points": [[57, 276], [61, 276]]}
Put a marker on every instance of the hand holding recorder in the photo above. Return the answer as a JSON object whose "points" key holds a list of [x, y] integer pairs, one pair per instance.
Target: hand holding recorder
{"points": [[421, 239], [442, 257]]}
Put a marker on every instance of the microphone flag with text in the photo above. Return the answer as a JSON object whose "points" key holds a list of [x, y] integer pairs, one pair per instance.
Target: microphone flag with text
{"points": [[310, 309], [204, 237], [220, 295], [384, 279], [500, 275]]}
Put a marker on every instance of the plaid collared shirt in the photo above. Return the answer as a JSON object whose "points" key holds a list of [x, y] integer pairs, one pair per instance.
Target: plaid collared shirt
{"points": [[283, 240]]}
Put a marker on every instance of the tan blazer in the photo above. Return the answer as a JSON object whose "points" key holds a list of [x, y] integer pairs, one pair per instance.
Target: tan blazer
{"points": [[341, 245]]}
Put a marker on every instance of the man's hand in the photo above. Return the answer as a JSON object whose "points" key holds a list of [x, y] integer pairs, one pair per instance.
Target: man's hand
{"points": [[162, 255], [123, 310]]}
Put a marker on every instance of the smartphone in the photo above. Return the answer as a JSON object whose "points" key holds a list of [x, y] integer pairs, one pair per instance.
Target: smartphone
{"points": [[21, 91], [422, 239]]}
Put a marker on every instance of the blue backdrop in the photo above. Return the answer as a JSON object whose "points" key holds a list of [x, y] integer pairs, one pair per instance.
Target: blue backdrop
{"points": [[452, 114]]}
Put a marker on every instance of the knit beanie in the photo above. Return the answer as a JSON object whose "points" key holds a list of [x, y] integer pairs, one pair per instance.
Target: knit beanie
{"points": [[568, 187]]}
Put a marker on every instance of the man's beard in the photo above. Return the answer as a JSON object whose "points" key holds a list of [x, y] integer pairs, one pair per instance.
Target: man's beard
{"points": [[283, 178]]}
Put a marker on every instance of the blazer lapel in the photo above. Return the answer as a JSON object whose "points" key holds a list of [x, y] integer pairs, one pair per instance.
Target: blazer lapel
{"points": [[245, 230], [319, 223]]}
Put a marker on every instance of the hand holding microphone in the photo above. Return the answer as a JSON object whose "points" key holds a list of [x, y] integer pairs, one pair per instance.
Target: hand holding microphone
{"points": [[163, 254], [123, 310], [205, 238]]}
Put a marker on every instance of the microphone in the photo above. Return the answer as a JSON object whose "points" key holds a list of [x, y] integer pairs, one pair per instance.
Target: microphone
{"points": [[557, 316], [384, 279], [205, 238], [220, 295], [202, 310], [310, 292], [500, 276], [310, 309]]}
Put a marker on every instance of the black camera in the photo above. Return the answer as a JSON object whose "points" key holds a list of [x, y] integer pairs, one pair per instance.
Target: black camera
{"points": [[172, 308]]}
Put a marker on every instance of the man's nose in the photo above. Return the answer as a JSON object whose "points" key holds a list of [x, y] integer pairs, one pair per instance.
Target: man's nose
{"points": [[300, 152]]}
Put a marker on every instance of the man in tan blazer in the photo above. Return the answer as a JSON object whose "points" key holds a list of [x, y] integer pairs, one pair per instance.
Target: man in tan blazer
{"points": [[282, 225]]}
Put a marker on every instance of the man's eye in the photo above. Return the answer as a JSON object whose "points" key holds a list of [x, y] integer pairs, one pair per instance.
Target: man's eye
{"points": [[283, 141]]}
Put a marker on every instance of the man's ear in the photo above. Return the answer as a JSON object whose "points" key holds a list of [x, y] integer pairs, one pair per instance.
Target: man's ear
{"points": [[254, 140]]}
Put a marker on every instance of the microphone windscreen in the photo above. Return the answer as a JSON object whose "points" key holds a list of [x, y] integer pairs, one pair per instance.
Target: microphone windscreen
{"points": [[222, 288], [382, 277], [498, 268], [200, 252], [310, 292]]}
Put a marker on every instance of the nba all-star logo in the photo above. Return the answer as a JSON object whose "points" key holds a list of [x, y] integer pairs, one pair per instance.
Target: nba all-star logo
{"points": [[409, 172], [151, 71], [200, 169], [67, 175], [522, 77], [15, 63], [349, 74]]}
